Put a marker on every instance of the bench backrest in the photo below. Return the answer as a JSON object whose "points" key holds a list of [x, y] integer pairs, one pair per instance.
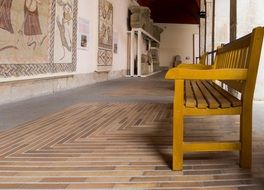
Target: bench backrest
{"points": [[243, 53], [203, 59]]}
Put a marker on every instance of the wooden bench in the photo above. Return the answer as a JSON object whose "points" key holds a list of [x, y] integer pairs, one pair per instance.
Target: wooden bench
{"points": [[196, 93], [203, 58]]}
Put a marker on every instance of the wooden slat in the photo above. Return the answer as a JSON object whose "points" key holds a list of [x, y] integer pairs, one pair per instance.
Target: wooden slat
{"points": [[224, 103], [219, 111], [212, 103], [233, 59], [236, 85], [189, 96], [240, 59], [224, 60], [246, 63], [228, 64], [243, 58], [201, 102], [234, 55], [233, 100], [211, 146], [236, 61], [237, 44], [203, 94]]}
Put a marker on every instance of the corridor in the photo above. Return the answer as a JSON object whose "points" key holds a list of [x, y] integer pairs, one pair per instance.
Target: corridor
{"points": [[117, 134]]}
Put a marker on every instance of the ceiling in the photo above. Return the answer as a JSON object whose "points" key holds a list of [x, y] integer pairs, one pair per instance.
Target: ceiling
{"points": [[173, 11]]}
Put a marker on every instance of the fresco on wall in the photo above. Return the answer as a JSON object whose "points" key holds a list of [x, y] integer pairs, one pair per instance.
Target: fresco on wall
{"points": [[36, 34], [105, 33], [63, 31], [24, 31]]}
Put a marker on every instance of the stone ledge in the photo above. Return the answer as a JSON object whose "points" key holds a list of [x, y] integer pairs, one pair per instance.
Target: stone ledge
{"points": [[13, 91], [102, 71], [35, 78]]}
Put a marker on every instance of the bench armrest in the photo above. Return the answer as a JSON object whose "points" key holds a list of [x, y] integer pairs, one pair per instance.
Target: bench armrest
{"points": [[193, 66], [206, 74]]}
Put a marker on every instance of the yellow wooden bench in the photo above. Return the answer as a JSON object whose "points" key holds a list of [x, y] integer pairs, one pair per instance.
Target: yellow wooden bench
{"points": [[203, 59], [196, 93], [201, 65]]}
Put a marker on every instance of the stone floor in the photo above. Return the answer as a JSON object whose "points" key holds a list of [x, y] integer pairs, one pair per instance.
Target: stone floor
{"points": [[137, 90], [117, 134]]}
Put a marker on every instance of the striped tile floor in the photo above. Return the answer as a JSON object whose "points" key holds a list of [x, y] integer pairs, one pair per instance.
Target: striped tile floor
{"points": [[121, 145]]}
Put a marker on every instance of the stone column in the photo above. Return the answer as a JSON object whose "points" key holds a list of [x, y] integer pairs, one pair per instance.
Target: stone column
{"points": [[233, 19], [250, 15], [202, 30], [209, 7], [257, 19], [244, 11], [222, 22]]}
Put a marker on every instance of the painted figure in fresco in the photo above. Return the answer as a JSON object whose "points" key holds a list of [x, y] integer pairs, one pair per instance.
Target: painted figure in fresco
{"points": [[5, 15], [31, 26], [105, 29], [31, 23], [5, 21], [65, 26]]}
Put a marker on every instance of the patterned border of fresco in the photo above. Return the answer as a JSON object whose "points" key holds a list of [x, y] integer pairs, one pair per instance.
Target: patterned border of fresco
{"points": [[105, 27], [105, 57], [30, 69]]}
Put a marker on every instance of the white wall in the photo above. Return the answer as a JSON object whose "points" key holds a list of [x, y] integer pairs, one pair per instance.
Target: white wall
{"points": [[29, 87], [177, 39], [87, 60], [120, 29]]}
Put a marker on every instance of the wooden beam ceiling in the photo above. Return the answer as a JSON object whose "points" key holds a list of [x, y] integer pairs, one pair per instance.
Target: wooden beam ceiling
{"points": [[173, 11]]}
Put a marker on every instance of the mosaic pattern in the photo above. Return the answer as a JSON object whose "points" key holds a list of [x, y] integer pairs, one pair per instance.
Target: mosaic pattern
{"points": [[105, 33], [105, 57], [12, 69]]}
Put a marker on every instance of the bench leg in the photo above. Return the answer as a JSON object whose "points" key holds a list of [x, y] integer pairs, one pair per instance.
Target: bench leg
{"points": [[177, 142], [246, 138], [177, 152]]}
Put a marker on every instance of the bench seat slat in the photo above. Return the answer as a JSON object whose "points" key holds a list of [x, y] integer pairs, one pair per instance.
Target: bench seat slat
{"points": [[201, 102], [236, 85], [189, 96], [208, 95], [224, 103], [234, 101], [212, 103]]}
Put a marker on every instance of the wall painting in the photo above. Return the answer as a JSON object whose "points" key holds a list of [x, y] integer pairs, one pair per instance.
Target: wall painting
{"points": [[36, 34], [105, 57]]}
